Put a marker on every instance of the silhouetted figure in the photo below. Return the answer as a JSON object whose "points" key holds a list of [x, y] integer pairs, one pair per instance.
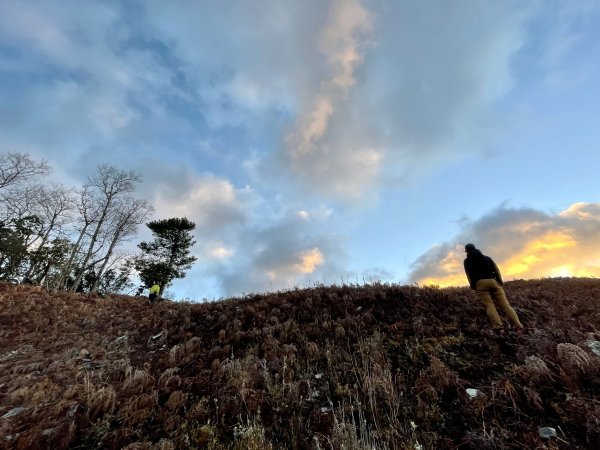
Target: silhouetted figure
{"points": [[485, 278]]}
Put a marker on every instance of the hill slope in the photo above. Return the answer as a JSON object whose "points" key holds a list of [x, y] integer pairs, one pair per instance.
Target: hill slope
{"points": [[381, 366]]}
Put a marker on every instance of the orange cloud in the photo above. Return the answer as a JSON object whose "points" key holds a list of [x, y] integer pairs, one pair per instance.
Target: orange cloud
{"points": [[525, 244], [303, 263], [309, 260], [540, 255]]}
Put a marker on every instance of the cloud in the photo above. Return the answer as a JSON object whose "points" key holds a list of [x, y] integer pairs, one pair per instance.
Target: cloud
{"points": [[213, 203], [339, 99], [312, 154], [80, 82], [353, 95], [309, 260], [281, 254], [245, 243], [566, 30], [405, 87], [525, 243], [220, 253]]}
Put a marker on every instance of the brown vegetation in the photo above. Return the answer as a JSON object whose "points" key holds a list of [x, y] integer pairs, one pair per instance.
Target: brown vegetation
{"points": [[353, 367]]}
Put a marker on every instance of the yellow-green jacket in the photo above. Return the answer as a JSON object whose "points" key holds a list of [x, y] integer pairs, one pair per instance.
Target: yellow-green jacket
{"points": [[155, 289]]}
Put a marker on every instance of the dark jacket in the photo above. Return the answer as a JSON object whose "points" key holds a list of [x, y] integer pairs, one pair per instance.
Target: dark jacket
{"points": [[480, 267]]}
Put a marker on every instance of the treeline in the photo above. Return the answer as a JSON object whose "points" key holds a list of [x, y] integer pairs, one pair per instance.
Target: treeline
{"points": [[72, 239]]}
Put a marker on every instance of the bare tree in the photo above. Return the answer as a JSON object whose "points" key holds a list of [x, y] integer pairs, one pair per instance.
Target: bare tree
{"points": [[88, 213], [18, 167], [55, 204], [128, 214], [20, 201], [107, 185]]}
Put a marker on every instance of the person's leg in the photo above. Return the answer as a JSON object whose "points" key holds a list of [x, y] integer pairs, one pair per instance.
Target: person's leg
{"points": [[482, 289], [500, 297]]}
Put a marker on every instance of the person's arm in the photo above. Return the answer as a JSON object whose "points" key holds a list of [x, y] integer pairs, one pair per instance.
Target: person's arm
{"points": [[468, 275], [497, 274]]}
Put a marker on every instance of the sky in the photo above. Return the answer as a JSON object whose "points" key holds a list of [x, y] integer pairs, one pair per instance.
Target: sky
{"points": [[325, 141]]}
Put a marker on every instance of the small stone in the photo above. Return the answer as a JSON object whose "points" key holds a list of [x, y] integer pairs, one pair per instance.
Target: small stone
{"points": [[594, 346], [13, 412], [547, 432]]}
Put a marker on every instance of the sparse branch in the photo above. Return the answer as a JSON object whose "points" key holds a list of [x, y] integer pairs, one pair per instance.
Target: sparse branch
{"points": [[18, 167]]}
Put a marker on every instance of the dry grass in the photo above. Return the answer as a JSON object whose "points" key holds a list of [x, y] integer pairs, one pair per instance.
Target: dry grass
{"points": [[346, 367]]}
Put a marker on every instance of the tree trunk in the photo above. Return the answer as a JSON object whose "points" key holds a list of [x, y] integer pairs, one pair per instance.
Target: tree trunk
{"points": [[91, 246], [67, 266]]}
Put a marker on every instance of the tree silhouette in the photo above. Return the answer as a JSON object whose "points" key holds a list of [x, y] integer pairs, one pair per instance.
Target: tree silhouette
{"points": [[168, 256]]}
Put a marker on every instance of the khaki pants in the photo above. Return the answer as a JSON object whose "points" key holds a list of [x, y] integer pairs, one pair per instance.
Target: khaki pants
{"points": [[489, 290]]}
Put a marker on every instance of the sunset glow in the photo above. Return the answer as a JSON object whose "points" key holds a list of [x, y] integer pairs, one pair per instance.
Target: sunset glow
{"points": [[569, 247], [309, 260]]}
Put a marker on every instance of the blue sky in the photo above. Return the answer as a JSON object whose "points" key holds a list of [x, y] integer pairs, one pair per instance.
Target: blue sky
{"points": [[325, 141]]}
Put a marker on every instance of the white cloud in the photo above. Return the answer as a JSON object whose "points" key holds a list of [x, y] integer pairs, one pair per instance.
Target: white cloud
{"points": [[221, 253], [313, 156], [212, 203]]}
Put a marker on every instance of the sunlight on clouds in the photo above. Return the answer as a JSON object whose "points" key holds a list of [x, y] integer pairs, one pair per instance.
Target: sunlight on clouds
{"points": [[221, 253], [449, 268], [308, 144], [448, 281], [315, 124], [582, 210], [562, 271], [303, 214], [452, 263], [339, 40], [536, 255], [309, 260], [286, 275], [564, 245]]}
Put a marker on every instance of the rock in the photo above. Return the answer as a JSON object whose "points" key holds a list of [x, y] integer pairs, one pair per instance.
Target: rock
{"points": [[594, 346], [472, 392], [547, 432], [13, 412]]}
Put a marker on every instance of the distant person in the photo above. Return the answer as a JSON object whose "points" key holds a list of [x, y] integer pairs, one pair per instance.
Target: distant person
{"points": [[153, 292], [484, 277]]}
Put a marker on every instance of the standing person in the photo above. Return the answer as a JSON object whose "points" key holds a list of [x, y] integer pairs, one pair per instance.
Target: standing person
{"points": [[485, 278], [153, 292]]}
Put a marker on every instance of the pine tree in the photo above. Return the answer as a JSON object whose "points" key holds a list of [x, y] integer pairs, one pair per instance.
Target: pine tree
{"points": [[168, 256]]}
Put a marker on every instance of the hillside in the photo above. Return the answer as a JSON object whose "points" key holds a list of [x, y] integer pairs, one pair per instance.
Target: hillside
{"points": [[353, 367]]}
